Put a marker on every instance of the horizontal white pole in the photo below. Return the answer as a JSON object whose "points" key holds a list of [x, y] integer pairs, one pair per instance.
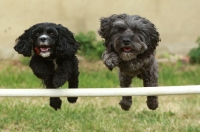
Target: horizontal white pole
{"points": [[86, 92]]}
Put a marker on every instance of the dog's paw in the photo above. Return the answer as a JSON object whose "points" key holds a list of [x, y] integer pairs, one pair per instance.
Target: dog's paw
{"points": [[110, 60], [152, 102], [125, 104], [56, 85], [111, 63], [72, 99], [55, 102], [58, 82]]}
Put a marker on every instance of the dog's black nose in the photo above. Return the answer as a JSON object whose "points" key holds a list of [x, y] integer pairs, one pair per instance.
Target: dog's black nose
{"points": [[43, 39], [126, 41]]}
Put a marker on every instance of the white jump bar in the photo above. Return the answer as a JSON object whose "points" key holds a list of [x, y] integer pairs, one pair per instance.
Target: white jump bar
{"points": [[86, 92]]}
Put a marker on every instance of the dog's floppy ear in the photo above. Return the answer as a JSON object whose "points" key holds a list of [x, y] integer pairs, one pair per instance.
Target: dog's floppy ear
{"points": [[155, 36], [24, 43], [152, 35], [67, 45], [106, 24], [105, 28]]}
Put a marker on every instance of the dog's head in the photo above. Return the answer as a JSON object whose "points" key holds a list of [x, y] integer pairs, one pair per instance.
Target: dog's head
{"points": [[46, 39], [129, 36]]}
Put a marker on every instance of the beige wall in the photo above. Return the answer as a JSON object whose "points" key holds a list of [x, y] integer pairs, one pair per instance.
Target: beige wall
{"points": [[178, 21]]}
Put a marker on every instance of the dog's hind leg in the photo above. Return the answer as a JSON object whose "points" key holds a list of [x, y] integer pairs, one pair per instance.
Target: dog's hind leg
{"points": [[55, 102], [125, 82], [150, 79]]}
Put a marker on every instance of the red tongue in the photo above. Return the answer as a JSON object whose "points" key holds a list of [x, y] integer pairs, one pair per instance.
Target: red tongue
{"points": [[127, 49], [44, 49]]}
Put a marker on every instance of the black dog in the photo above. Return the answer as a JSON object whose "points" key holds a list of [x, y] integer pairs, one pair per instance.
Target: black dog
{"points": [[53, 60], [130, 42]]}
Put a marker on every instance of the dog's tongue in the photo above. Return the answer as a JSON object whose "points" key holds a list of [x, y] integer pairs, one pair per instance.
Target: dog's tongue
{"points": [[44, 49], [127, 49]]}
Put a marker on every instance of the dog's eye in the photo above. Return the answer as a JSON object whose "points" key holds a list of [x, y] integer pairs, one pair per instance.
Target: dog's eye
{"points": [[37, 34], [121, 29], [51, 34]]}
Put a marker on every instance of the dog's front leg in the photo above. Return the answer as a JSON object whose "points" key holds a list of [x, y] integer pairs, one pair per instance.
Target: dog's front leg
{"points": [[62, 73], [110, 59], [150, 79], [55, 102], [125, 82], [67, 71], [73, 80], [43, 69], [73, 83]]}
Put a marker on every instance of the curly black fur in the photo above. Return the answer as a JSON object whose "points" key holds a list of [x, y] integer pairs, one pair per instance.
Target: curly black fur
{"points": [[52, 49], [130, 42]]}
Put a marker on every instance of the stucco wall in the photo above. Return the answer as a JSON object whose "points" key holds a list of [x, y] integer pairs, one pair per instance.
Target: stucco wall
{"points": [[177, 20]]}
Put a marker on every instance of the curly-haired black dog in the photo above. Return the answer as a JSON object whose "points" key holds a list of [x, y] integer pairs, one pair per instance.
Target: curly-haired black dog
{"points": [[130, 42], [52, 50]]}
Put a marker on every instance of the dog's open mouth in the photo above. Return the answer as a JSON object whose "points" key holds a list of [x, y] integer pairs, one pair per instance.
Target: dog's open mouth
{"points": [[44, 48], [43, 51], [126, 49]]}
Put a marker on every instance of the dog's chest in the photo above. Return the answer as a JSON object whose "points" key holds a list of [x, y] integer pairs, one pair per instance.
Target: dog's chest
{"points": [[134, 67]]}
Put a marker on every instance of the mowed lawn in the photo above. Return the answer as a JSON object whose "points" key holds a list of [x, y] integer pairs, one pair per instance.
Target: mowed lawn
{"points": [[176, 113]]}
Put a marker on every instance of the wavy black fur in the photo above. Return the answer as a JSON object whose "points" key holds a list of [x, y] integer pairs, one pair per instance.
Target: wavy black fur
{"points": [[57, 68]]}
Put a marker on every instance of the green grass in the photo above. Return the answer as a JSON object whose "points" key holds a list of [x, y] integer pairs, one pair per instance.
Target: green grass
{"points": [[100, 114], [100, 77]]}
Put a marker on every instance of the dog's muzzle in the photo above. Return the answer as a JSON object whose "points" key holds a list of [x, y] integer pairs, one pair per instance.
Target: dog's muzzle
{"points": [[43, 47]]}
